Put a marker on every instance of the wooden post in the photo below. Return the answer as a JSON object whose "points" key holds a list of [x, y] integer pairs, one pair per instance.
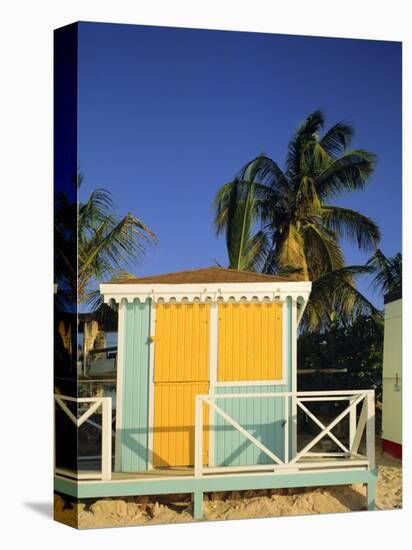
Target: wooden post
{"points": [[213, 343], [352, 425], [371, 493], [198, 504], [370, 429], [198, 436], [286, 430], [293, 345], [106, 438], [119, 387]]}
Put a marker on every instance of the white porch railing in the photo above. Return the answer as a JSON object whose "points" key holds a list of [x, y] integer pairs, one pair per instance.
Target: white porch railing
{"points": [[298, 460], [106, 447]]}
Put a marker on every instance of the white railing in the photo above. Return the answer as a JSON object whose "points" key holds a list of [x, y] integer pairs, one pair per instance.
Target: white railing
{"points": [[292, 459], [106, 447]]}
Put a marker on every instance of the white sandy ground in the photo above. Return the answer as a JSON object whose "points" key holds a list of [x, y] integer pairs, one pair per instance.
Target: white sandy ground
{"points": [[235, 504]]}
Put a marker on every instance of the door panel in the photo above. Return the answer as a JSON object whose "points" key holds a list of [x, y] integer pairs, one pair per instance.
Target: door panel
{"points": [[181, 371], [174, 419]]}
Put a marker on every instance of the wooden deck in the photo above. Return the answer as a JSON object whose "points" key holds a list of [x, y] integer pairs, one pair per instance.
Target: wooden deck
{"points": [[310, 463], [182, 481]]}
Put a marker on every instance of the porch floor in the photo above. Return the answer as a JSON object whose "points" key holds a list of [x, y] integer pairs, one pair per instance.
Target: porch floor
{"points": [[309, 464]]}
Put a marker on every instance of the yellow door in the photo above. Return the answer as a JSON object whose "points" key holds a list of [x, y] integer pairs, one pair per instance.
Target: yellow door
{"points": [[250, 341], [181, 371]]}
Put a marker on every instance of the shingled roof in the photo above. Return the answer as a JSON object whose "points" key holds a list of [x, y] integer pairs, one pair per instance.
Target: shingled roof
{"points": [[205, 275]]}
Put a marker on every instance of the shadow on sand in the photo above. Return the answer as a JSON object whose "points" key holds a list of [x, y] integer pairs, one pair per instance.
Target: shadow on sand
{"points": [[45, 509]]}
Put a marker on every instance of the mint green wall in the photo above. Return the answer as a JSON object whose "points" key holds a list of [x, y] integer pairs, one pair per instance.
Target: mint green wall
{"points": [[262, 417], [135, 387]]}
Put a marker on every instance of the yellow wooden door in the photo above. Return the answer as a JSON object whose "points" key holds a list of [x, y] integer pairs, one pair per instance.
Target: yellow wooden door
{"points": [[250, 341], [181, 371]]}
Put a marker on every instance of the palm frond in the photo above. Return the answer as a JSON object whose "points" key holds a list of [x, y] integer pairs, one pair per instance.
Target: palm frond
{"points": [[241, 214], [336, 292], [349, 172], [336, 140], [387, 272], [307, 131], [352, 225], [266, 171], [322, 250]]}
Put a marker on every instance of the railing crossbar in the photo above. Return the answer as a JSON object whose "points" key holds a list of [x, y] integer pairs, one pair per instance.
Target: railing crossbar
{"points": [[244, 432], [328, 428], [106, 447], [322, 426]]}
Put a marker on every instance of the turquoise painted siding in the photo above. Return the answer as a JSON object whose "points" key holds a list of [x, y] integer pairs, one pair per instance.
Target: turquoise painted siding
{"points": [[262, 417], [135, 387]]}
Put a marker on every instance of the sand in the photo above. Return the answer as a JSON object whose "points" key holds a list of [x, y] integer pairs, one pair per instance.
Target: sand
{"points": [[235, 504]]}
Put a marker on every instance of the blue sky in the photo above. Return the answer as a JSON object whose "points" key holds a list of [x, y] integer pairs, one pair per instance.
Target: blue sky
{"points": [[168, 115]]}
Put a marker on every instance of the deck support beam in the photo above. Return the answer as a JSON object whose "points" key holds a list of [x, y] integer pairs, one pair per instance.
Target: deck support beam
{"points": [[371, 494], [198, 505]]}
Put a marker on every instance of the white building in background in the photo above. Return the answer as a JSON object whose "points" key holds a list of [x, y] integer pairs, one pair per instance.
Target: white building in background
{"points": [[392, 375]]}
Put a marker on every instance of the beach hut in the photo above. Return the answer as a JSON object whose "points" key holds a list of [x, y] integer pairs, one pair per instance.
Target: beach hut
{"points": [[206, 395]]}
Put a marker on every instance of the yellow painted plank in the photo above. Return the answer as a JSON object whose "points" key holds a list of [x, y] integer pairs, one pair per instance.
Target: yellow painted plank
{"points": [[250, 342], [173, 439], [181, 342]]}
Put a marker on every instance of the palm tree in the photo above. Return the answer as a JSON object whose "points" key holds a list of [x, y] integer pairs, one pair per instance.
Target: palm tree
{"points": [[387, 271], [281, 221], [104, 241]]}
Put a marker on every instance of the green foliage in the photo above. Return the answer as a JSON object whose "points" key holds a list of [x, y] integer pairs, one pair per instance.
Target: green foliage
{"points": [[105, 243], [281, 221], [387, 272], [357, 347]]}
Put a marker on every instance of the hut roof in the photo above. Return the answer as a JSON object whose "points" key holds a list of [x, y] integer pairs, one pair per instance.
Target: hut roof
{"points": [[205, 275]]}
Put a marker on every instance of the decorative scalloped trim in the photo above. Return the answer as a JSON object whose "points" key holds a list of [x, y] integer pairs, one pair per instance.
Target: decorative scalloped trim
{"points": [[203, 298]]}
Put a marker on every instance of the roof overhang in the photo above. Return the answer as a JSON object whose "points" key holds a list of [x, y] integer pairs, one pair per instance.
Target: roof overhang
{"points": [[212, 292]]}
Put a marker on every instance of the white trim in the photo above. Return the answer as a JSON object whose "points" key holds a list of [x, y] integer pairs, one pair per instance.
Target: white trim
{"points": [[78, 421], [327, 429], [348, 458], [213, 292], [213, 360], [322, 426], [299, 394], [119, 385], [250, 383], [357, 436], [152, 343], [74, 474], [294, 368], [370, 428], [106, 445], [327, 398], [286, 431], [285, 374], [272, 382], [285, 468], [89, 413], [107, 438], [198, 467]]}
